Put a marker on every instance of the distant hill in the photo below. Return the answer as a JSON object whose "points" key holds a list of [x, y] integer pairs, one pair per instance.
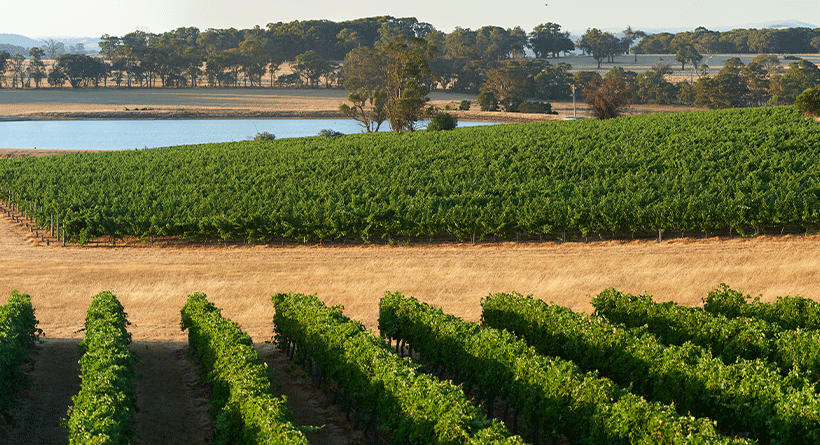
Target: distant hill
{"points": [[18, 40], [14, 49]]}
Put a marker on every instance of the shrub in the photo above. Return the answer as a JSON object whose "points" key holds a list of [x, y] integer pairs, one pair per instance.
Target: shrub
{"points": [[328, 133], [264, 136], [535, 107], [808, 102], [443, 121], [487, 101], [464, 105], [510, 104]]}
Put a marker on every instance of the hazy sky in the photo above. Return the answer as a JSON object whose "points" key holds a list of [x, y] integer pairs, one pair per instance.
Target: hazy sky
{"points": [[92, 18]]}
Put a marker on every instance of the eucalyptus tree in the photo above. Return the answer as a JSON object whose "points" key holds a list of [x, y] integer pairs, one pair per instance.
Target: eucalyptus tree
{"points": [[4, 58], [37, 69], [18, 69], [548, 39]]}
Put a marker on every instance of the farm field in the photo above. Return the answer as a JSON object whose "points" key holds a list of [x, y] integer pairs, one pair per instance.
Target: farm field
{"points": [[152, 281], [152, 284]]}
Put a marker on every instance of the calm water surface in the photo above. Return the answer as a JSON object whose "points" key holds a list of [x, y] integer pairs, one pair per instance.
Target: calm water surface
{"points": [[134, 134]]}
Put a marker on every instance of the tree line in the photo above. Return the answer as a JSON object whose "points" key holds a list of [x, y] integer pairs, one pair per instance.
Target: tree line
{"points": [[736, 41], [413, 58]]}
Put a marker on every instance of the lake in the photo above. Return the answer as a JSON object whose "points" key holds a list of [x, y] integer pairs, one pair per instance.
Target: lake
{"points": [[134, 134]]}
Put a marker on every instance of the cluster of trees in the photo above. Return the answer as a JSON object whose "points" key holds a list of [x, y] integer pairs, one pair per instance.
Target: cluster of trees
{"points": [[763, 81], [231, 57], [737, 41], [391, 64]]}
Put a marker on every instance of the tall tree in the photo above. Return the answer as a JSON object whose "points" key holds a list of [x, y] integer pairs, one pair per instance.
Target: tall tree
{"points": [[602, 45], [687, 53], [397, 71], [53, 50], [36, 67], [630, 37], [4, 58], [311, 67], [18, 69], [547, 39], [366, 87]]}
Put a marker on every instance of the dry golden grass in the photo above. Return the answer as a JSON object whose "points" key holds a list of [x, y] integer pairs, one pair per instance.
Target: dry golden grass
{"points": [[152, 282], [111, 103]]}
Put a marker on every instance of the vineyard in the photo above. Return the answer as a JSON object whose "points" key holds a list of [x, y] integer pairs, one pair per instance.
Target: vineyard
{"points": [[529, 372], [746, 171]]}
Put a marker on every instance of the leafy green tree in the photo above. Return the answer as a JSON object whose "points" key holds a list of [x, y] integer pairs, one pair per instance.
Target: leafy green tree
{"points": [[442, 122], [652, 87], [369, 109], [394, 71], [18, 69], [513, 78], [254, 60], [659, 43], [406, 65], [79, 69], [36, 67], [687, 53], [726, 90], [686, 94], [586, 79], [487, 101], [547, 39], [757, 80], [799, 77], [808, 102], [311, 67], [601, 45], [493, 43], [554, 82], [366, 89], [4, 58], [56, 78], [630, 37]]}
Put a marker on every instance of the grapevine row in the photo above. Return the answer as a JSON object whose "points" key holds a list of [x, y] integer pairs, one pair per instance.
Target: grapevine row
{"points": [[18, 333], [748, 397], [553, 395], [247, 412], [744, 170], [414, 407], [728, 338], [102, 411], [788, 312]]}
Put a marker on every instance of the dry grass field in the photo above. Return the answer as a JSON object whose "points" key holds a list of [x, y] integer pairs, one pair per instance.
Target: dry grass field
{"points": [[153, 282]]}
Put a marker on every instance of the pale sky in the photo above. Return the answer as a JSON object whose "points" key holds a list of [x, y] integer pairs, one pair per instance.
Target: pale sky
{"points": [[92, 18]]}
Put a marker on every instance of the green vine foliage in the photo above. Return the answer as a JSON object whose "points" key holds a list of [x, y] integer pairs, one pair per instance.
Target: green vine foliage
{"points": [[727, 338], [552, 394], [748, 398], [385, 391], [18, 333], [245, 412], [788, 312], [744, 169], [102, 411]]}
